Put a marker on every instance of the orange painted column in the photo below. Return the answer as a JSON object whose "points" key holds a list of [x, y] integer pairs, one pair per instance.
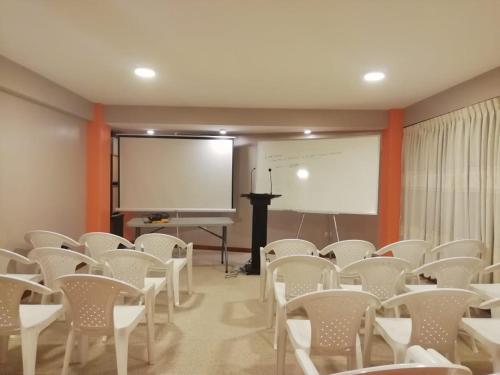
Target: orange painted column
{"points": [[390, 179], [98, 172]]}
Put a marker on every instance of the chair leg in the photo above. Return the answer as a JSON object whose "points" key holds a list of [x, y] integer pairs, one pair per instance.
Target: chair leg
{"points": [[495, 359], [121, 348], [170, 301], [150, 332], [270, 310], [190, 278], [279, 324], [70, 343], [262, 286], [175, 283], [281, 352], [29, 340], [4, 347], [83, 346], [399, 355], [368, 336]]}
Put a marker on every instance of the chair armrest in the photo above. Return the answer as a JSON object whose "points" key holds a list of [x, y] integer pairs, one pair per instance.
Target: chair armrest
{"points": [[492, 268], [305, 362], [417, 354], [490, 304], [127, 243], [16, 257]]}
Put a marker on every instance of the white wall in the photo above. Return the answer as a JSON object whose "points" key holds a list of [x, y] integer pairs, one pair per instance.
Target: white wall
{"points": [[42, 171]]}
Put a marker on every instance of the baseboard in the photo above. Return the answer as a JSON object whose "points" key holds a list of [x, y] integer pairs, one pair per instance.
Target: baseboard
{"points": [[229, 248]]}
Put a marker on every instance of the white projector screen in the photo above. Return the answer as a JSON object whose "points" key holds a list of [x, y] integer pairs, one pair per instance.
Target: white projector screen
{"points": [[335, 175], [167, 174]]}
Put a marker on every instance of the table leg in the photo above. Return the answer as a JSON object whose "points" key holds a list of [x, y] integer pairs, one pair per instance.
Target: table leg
{"points": [[224, 241]]}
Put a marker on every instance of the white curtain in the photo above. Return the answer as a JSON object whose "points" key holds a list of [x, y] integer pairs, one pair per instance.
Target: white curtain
{"points": [[451, 178]]}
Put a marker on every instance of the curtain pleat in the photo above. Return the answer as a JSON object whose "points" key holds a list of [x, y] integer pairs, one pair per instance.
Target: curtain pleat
{"points": [[451, 178]]}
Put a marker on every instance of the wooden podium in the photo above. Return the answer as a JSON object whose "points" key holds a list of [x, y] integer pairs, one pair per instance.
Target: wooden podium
{"points": [[259, 203]]}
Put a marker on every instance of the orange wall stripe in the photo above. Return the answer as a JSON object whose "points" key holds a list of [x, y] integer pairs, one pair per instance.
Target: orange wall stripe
{"points": [[390, 179], [98, 150]]}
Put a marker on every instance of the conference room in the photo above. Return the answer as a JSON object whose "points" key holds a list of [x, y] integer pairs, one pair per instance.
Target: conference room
{"points": [[264, 187]]}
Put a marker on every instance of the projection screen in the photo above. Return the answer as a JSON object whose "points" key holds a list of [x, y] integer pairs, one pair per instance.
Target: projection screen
{"points": [[167, 174]]}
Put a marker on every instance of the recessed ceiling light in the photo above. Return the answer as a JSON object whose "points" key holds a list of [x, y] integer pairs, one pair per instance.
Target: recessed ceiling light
{"points": [[222, 131], [374, 76], [145, 72], [150, 132], [307, 131]]}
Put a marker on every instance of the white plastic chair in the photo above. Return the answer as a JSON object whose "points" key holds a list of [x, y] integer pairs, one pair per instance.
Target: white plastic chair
{"points": [[349, 251], [455, 272], [435, 317], [380, 276], [26, 320], [45, 238], [298, 274], [132, 267], [55, 262], [460, 248], [281, 248], [413, 251], [92, 311], [332, 328], [486, 331], [96, 243], [162, 246], [489, 291], [7, 256]]}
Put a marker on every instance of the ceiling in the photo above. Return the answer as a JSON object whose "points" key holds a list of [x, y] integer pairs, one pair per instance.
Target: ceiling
{"points": [[254, 54]]}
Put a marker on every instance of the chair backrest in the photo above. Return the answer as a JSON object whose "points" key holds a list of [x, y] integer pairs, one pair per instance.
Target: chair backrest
{"points": [[411, 369], [291, 246], [90, 301], [45, 238], [97, 243], [55, 262], [335, 317], [411, 250], [12, 290], [379, 276], [302, 273], [452, 272], [435, 315], [6, 256], [130, 266], [349, 251], [460, 248], [158, 244]]}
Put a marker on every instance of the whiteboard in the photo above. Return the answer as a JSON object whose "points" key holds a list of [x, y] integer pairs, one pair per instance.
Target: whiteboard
{"points": [[175, 174], [335, 175]]}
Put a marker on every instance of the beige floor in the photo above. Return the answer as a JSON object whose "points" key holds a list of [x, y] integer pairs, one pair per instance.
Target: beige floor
{"points": [[220, 329]]}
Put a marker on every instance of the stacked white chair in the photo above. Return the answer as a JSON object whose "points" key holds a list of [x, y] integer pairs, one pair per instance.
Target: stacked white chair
{"points": [[489, 291], [25, 320], [92, 311], [459, 248], [434, 320], [281, 248], [132, 267], [162, 246], [45, 238], [298, 274], [56, 262], [332, 327], [7, 256]]}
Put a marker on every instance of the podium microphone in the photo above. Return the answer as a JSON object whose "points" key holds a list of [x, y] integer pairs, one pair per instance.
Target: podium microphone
{"points": [[271, 180], [251, 180]]}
